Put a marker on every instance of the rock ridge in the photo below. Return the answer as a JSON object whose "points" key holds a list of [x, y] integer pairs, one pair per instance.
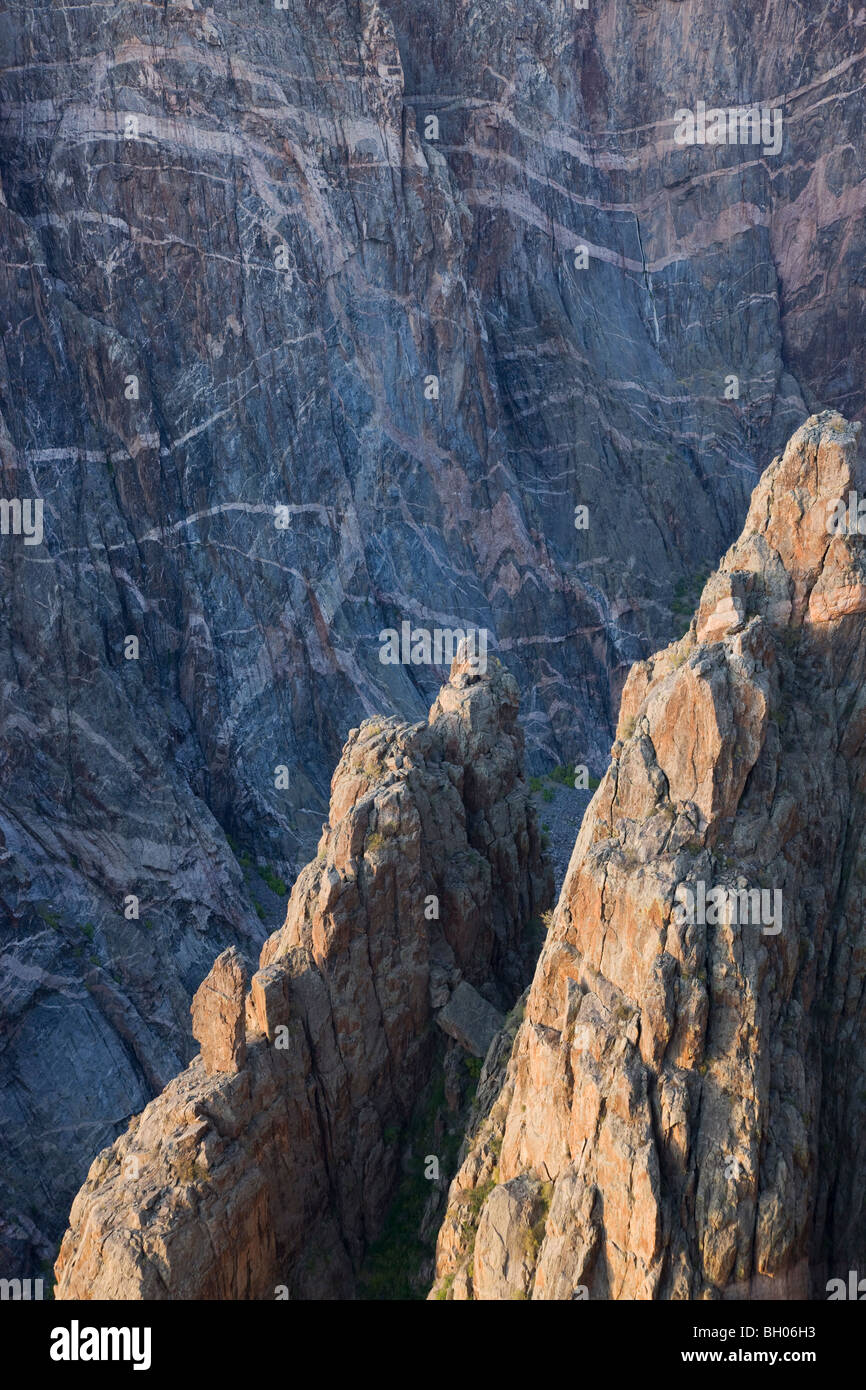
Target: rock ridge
{"points": [[681, 1114]]}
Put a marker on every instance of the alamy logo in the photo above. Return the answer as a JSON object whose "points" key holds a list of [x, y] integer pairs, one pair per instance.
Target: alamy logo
{"points": [[422, 647], [75, 1343], [22, 518], [733, 125], [736, 907], [854, 1290], [847, 521], [21, 1289]]}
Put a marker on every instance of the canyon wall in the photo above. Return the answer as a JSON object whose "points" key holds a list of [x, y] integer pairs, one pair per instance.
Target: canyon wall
{"points": [[237, 253]]}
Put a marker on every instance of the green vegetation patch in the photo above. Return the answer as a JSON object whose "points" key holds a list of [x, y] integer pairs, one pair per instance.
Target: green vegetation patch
{"points": [[392, 1266], [273, 880]]}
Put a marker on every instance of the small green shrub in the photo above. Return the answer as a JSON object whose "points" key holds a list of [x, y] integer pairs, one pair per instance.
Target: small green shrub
{"points": [[564, 775], [444, 1288], [478, 1196], [273, 880]]}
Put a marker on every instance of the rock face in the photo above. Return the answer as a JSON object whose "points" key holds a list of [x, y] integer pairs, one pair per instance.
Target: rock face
{"points": [[270, 1160], [683, 1111], [217, 1010], [247, 282]]}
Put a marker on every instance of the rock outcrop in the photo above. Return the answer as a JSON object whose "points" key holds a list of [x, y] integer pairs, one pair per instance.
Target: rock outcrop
{"points": [[683, 1113], [218, 1009], [270, 1161]]}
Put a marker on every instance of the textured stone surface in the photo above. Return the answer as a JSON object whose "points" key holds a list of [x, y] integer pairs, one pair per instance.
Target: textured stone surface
{"points": [[218, 1008], [683, 1111], [470, 1019], [270, 138], [277, 1168]]}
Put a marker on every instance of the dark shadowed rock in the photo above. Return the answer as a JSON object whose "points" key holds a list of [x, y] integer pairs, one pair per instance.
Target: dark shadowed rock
{"points": [[470, 1019]]}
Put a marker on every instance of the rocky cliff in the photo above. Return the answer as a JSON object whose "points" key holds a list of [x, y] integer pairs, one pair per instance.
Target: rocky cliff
{"points": [[683, 1112], [268, 1164], [297, 347]]}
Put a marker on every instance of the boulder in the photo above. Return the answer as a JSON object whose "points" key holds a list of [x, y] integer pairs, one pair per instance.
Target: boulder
{"points": [[470, 1019]]}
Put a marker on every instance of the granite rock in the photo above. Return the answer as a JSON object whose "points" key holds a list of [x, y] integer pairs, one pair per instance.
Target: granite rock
{"points": [[683, 1109]]}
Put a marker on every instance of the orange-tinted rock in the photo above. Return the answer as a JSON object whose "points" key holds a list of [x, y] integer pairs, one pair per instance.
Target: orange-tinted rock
{"points": [[693, 1082], [218, 1015]]}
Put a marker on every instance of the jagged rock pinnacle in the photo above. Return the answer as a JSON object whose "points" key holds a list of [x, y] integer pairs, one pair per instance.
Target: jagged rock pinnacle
{"points": [[688, 1085]]}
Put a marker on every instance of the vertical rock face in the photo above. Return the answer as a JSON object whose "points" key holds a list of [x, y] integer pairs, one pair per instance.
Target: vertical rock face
{"points": [[237, 263], [683, 1111], [560, 129], [271, 1160], [218, 1015]]}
